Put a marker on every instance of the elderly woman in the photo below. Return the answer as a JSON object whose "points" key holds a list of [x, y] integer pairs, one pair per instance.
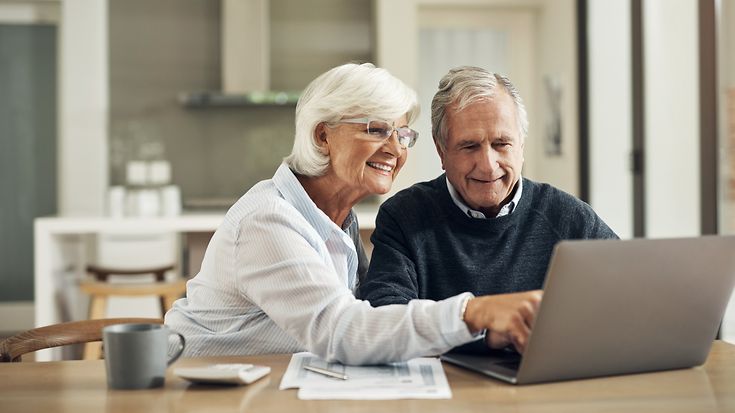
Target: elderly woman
{"points": [[278, 275]]}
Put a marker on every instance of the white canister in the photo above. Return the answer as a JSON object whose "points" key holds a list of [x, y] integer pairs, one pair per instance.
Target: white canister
{"points": [[171, 200], [149, 202], [160, 173], [136, 173], [116, 201]]}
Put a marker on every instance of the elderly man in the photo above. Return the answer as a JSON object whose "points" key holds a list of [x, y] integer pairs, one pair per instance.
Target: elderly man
{"points": [[479, 227]]}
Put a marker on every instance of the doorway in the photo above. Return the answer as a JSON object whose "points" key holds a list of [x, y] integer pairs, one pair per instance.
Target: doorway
{"points": [[499, 40]]}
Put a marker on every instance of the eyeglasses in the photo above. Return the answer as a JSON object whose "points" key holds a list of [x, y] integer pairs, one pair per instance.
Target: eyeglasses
{"points": [[382, 130]]}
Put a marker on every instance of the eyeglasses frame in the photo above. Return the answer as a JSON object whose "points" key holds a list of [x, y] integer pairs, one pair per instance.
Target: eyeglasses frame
{"points": [[401, 139]]}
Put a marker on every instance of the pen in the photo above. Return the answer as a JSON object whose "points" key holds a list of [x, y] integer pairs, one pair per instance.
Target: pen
{"points": [[326, 372]]}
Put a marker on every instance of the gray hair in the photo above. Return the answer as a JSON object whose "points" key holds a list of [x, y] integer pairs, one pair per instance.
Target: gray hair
{"points": [[347, 91], [466, 85]]}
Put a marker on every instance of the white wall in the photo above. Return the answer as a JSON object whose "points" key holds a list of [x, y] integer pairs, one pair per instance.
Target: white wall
{"points": [[557, 58], [726, 70], [610, 115], [396, 49], [671, 77], [83, 107], [726, 116]]}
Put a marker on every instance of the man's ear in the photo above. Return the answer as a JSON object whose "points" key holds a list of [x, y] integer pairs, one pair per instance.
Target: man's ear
{"points": [[320, 138], [440, 151]]}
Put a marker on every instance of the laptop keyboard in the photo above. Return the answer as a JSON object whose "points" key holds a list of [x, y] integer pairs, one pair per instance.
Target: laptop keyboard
{"points": [[510, 364]]}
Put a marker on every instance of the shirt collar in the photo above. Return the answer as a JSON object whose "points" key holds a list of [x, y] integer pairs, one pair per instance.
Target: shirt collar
{"points": [[295, 194], [506, 209], [290, 187]]}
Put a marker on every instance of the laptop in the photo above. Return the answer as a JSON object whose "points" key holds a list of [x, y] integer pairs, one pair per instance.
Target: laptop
{"points": [[615, 307]]}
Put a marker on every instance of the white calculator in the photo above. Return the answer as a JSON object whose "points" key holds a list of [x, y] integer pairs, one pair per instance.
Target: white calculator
{"points": [[223, 373]]}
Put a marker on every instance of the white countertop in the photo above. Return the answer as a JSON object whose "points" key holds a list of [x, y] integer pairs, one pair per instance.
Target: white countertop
{"points": [[186, 222], [82, 224]]}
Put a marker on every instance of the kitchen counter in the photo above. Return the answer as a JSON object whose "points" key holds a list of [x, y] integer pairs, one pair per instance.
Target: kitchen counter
{"points": [[185, 222]]}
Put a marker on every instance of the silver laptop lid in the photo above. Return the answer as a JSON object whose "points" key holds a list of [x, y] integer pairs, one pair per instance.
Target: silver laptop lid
{"points": [[615, 307]]}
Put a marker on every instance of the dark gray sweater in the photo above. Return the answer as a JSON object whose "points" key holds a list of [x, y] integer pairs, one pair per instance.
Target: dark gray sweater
{"points": [[426, 247]]}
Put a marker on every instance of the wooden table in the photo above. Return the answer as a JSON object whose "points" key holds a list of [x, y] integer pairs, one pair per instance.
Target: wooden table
{"points": [[80, 386]]}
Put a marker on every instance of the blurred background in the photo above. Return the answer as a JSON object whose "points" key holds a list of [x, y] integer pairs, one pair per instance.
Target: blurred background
{"points": [[173, 108]]}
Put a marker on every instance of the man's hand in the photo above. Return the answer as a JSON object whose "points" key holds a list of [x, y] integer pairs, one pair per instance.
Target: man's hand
{"points": [[507, 317]]}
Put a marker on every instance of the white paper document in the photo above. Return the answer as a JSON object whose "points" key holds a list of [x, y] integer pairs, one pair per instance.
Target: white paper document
{"points": [[419, 378]]}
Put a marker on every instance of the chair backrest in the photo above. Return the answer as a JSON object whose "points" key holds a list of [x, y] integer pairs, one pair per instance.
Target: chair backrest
{"points": [[131, 257], [103, 273], [75, 332], [135, 250]]}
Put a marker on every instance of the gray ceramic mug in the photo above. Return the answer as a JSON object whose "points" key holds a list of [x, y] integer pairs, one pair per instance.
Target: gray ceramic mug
{"points": [[136, 355]]}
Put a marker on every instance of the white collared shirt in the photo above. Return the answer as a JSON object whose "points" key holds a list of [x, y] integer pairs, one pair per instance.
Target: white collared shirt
{"points": [[506, 209], [277, 277]]}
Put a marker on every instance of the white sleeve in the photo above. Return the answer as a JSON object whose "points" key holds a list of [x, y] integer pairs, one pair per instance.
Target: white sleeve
{"points": [[281, 269]]}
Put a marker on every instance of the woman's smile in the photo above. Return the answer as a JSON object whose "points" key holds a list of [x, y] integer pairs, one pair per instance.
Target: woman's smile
{"points": [[383, 167]]}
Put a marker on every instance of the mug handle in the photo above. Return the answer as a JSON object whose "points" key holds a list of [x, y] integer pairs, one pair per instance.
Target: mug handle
{"points": [[179, 351]]}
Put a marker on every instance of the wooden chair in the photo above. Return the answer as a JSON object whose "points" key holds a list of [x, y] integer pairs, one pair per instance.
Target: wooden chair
{"points": [[100, 290], [75, 332]]}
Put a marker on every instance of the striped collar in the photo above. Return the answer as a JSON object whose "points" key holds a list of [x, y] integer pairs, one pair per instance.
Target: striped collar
{"points": [[293, 192]]}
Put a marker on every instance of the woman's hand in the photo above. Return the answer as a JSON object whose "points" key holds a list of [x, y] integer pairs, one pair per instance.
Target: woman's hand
{"points": [[508, 318]]}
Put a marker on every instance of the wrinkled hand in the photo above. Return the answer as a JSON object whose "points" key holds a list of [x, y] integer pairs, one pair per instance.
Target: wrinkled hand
{"points": [[507, 317]]}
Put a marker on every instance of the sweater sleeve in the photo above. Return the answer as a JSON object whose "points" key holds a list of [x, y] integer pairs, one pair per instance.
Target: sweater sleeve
{"points": [[391, 277]]}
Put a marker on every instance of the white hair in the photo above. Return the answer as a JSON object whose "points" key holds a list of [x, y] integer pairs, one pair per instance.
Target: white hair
{"points": [[347, 91], [465, 85]]}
